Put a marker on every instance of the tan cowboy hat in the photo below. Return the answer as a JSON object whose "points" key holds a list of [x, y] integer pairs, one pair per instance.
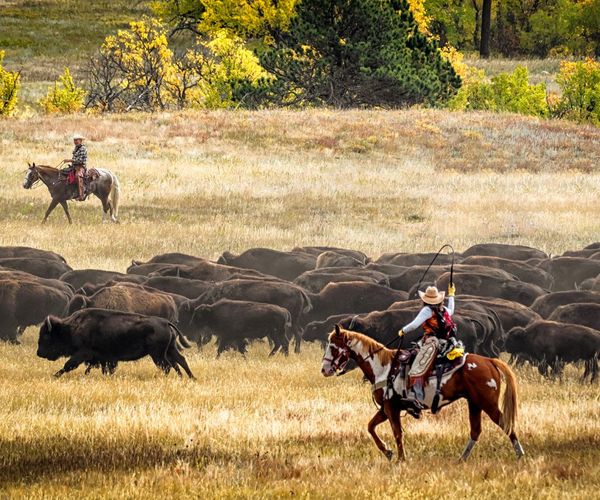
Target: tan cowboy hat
{"points": [[432, 295], [78, 136]]}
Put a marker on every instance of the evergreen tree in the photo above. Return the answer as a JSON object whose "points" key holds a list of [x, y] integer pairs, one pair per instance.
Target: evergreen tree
{"points": [[347, 53]]}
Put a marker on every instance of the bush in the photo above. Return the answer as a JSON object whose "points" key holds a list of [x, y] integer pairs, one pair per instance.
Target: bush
{"points": [[9, 88], [505, 92], [64, 97], [580, 85]]}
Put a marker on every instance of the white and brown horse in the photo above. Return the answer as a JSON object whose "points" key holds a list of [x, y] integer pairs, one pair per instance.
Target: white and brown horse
{"points": [[105, 187], [477, 380]]}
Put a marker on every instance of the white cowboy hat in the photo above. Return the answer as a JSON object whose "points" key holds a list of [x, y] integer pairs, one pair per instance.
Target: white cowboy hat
{"points": [[78, 136], [432, 295]]}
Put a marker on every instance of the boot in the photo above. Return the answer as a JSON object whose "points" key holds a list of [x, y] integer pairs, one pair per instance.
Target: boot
{"points": [[81, 189]]}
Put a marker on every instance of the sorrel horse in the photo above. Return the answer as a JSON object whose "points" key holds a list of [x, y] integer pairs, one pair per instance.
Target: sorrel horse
{"points": [[477, 380], [104, 187]]}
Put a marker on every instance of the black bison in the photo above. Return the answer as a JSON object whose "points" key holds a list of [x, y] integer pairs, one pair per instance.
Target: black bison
{"points": [[129, 298], [103, 337], [284, 265], [512, 252], [520, 269], [28, 252], [234, 322], [568, 272], [546, 304], [584, 314], [44, 268], [27, 302], [551, 344]]}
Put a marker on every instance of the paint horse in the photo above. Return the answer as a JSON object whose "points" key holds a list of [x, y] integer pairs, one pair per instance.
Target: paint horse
{"points": [[106, 188], [477, 379]]}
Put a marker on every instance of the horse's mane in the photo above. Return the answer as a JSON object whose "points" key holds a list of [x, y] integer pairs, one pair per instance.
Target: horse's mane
{"points": [[46, 167], [384, 354]]}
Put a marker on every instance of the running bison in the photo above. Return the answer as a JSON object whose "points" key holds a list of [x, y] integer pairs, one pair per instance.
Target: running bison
{"points": [[103, 337]]}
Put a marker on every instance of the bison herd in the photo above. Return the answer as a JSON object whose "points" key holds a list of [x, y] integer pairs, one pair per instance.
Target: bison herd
{"points": [[511, 298]]}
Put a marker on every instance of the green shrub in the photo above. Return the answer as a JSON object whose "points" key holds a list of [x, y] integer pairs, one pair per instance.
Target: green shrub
{"points": [[9, 88], [64, 96], [580, 85], [505, 92]]}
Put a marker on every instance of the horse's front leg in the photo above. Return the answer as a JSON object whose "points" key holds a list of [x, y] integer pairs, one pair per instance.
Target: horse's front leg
{"points": [[66, 209], [377, 419], [393, 414], [51, 207]]}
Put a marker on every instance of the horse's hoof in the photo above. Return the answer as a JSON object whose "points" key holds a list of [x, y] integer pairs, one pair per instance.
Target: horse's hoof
{"points": [[388, 454]]}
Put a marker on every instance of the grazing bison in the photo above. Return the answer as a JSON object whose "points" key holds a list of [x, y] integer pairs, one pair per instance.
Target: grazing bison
{"points": [[568, 272], [334, 259], [546, 304], [520, 269], [549, 343], [27, 302], [44, 268], [234, 322], [286, 295], [28, 252], [512, 252], [284, 265], [484, 285], [584, 314], [79, 277], [135, 299], [352, 298], [103, 337]]}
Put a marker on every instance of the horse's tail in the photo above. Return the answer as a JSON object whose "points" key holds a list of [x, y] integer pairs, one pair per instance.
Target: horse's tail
{"points": [[511, 398], [115, 192]]}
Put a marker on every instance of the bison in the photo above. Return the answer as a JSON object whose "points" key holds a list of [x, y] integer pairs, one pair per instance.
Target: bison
{"points": [[512, 252], [568, 272], [584, 314], [103, 337], [284, 265], [546, 304], [44, 268], [520, 269], [80, 277], [334, 259]]}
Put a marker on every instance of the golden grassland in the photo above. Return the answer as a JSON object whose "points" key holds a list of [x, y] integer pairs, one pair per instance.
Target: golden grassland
{"points": [[202, 183]]}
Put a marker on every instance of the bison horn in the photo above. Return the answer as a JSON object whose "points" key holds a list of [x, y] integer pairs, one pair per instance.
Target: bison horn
{"points": [[48, 323]]}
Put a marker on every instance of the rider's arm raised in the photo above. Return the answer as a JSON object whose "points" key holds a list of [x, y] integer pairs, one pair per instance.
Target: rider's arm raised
{"points": [[424, 315]]}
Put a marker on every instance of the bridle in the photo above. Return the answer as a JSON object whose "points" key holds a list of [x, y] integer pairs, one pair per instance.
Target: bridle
{"points": [[340, 357]]}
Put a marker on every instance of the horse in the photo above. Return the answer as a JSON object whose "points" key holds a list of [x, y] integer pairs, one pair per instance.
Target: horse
{"points": [[477, 380], [105, 186]]}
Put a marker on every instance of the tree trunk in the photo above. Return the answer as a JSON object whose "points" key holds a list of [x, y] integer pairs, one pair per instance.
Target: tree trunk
{"points": [[486, 24]]}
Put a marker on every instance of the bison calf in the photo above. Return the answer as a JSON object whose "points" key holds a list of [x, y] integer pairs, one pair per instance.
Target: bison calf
{"points": [[233, 322], [104, 337]]}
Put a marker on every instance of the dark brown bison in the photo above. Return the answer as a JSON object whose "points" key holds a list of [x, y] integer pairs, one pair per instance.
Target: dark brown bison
{"points": [[512, 252], [487, 286], [28, 252], [585, 253], [551, 344], [23, 276], [25, 302], [79, 277], [416, 259], [127, 298], [235, 322], [334, 259], [103, 337], [352, 298], [156, 267], [284, 265], [520, 269], [511, 313], [187, 287], [206, 271], [584, 314], [318, 331], [568, 272], [316, 251], [44, 268], [172, 258], [546, 304], [315, 282]]}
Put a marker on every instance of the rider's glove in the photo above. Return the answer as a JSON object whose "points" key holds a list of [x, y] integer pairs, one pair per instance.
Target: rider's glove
{"points": [[401, 333], [451, 290]]}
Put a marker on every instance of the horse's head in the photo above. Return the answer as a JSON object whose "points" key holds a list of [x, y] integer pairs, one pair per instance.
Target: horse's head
{"points": [[337, 353], [31, 177]]}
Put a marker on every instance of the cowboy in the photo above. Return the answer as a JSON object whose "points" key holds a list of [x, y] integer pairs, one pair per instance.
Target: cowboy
{"points": [[78, 162], [436, 320]]}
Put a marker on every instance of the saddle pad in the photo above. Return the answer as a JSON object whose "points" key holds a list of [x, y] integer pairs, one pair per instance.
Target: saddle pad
{"points": [[425, 358]]}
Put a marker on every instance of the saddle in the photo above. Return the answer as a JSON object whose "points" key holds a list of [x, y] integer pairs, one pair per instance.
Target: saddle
{"points": [[69, 174]]}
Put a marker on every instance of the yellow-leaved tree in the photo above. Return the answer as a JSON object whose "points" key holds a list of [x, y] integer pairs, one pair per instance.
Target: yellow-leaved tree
{"points": [[9, 88], [64, 96]]}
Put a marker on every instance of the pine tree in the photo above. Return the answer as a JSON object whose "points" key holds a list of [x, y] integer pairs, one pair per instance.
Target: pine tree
{"points": [[347, 53]]}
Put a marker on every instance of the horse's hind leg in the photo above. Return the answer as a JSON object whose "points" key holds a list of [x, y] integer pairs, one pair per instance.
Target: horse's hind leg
{"points": [[377, 419], [496, 416], [65, 207], [475, 422]]}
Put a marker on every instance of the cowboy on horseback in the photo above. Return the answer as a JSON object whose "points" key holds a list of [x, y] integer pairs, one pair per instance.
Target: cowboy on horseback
{"points": [[439, 333], [78, 163]]}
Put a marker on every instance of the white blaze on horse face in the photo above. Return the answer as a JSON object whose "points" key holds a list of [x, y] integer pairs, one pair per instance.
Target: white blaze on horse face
{"points": [[492, 383], [326, 367], [471, 365]]}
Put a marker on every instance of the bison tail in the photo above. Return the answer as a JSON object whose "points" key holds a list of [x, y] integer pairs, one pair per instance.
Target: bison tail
{"points": [[288, 319], [307, 302], [181, 339], [511, 398]]}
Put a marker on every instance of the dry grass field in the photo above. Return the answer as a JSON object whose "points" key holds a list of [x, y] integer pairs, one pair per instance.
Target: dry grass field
{"points": [[202, 183]]}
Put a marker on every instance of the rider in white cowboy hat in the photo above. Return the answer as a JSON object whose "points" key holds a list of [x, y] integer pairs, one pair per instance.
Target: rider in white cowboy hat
{"points": [[436, 320], [78, 162]]}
